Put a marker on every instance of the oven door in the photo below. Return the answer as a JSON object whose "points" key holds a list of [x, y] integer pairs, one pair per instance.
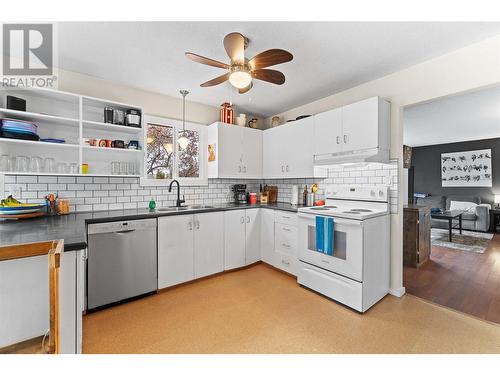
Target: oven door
{"points": [[347, 255]]}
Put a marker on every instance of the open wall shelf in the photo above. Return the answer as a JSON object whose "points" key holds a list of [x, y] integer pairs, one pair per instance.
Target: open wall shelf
{"points": [[74, 118]]}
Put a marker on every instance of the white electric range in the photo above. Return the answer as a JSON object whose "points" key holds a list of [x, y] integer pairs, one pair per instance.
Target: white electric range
{"points": [[354, 265]]}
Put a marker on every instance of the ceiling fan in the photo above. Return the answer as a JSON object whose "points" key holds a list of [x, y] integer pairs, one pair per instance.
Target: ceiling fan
{"points": [[241, 70]]}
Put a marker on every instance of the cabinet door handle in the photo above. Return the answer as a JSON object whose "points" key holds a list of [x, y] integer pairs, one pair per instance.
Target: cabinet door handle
{"points": [[282, 168], [197, 224], [286, 229], [287, 168], [239, 169], [248, 219], [338, 139], [242, 219], [285, 217], [345, 138], [245, 169], [190, 225], [286, 245], [285, 262]]}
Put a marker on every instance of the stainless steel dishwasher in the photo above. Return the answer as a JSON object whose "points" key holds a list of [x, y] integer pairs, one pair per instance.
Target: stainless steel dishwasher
{"points": [[122, 261]]}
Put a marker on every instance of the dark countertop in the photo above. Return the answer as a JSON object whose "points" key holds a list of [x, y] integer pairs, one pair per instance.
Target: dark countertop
{"points": [[72, 227]]}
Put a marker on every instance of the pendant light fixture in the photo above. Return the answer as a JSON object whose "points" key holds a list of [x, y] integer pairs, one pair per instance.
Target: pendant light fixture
{"points": [[183, 140]]}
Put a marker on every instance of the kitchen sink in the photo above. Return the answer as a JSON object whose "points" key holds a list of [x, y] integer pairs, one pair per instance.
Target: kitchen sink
{"points": [[199, 207], [171, 209]]}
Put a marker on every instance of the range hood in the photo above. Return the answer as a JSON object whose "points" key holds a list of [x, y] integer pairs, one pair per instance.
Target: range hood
{"points": [[369, 155]]}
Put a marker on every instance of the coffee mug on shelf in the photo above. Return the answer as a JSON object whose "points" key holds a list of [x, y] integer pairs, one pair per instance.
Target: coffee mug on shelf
{"points": [[133, 145]]}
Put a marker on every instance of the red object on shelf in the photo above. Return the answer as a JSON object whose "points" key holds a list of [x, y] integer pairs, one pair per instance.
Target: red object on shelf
{"points": [[227, 113], [320, 202], [253, 198]]}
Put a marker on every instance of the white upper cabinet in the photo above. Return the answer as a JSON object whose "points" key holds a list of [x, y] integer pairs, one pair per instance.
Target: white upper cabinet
{"points": [[365, 124], [359, 126], [238, 151], [288, 150], [328, 132]]}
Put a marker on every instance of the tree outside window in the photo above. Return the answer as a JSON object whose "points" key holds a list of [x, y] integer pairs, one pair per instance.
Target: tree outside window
{"points": [[161, 159], [189, 159]]}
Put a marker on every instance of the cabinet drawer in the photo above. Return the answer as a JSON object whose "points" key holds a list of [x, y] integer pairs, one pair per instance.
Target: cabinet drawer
{"points": [[285, 217], [342, 289], [285, 262], [285, 238]]}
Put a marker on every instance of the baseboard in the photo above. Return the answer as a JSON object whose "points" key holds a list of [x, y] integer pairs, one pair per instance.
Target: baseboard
{"points": [[397, 292]]}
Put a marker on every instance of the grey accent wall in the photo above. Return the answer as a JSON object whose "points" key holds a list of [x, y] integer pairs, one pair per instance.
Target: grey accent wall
{"points": [[427, 163]]}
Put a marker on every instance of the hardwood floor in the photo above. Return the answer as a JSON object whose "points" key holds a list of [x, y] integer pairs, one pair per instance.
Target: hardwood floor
{"points": [[464, 281], [261, 310]]}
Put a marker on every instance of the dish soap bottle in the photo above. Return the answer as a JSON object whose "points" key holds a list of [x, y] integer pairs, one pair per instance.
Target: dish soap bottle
{"points": [[152, 204], [304, 196]]}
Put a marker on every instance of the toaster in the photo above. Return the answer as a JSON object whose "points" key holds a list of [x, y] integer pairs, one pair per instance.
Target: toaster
{"points": [[133, 118]]}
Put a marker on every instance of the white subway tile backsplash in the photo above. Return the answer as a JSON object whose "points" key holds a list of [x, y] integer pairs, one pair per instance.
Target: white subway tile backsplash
{"points": [[47, 179], [83, 194], [27, 179], [106, 193], [84, 180], [116, 206], [66, 180], [36, 187], [57, 187], [75, 186]]}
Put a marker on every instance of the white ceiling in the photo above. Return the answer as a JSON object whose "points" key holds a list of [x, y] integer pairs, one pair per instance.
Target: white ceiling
{"points": [[328, 56], [458, 118]]}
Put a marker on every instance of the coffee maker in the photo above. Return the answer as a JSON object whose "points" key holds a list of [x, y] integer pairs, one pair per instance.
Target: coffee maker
{"points": [[240, 193]]}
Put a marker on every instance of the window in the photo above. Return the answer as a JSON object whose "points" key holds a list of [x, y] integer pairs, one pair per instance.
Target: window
{"points": [[165, 160]]}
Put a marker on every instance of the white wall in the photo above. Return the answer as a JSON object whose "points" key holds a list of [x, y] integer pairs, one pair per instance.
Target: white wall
{"points": [[468, 68], [153, 103]]}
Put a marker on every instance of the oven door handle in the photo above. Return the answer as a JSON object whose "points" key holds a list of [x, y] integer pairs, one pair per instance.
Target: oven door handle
{"points": [[336, 220]]}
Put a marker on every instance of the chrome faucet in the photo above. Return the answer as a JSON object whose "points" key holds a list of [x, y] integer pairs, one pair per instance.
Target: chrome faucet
{"points": [[179, 201]]}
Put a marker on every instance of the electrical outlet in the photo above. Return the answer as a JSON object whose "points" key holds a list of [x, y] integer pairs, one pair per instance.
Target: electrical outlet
{"points": [[15, 190]]}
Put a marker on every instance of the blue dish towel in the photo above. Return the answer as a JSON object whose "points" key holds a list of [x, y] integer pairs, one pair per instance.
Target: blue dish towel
{"points": [[325, 235]]}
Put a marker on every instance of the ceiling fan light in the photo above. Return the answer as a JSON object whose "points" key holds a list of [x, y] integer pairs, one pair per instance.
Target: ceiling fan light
{"points": [[183, 142], [240, 79]]}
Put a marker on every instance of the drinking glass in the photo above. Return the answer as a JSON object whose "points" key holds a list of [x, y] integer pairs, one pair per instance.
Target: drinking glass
{"points": [[73, 168], [35, 164], [21, 163], [115, 167], [5, 163], [132, 168], [123, 167], [62, 168], [49, 165]]}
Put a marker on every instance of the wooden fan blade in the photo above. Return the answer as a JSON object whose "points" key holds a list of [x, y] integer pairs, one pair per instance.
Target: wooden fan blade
{"points": [[269, 58], [216, 81], [234, 44], [269, 75], [206, 60], [245, 89]]}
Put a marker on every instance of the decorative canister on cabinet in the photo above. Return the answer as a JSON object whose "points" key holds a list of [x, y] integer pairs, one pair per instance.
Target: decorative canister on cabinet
{"points": [[227, 113]]}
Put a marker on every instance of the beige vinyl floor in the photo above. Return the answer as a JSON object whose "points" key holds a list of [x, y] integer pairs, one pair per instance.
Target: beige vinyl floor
{"points": [[261, 310]]}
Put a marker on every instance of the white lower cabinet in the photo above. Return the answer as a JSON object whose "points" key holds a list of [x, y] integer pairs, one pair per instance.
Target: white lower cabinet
{"points": [[252, 236], [285, 241], [241, 237], [267, 236], [208, 244], [175, 250], [189, 247]]}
